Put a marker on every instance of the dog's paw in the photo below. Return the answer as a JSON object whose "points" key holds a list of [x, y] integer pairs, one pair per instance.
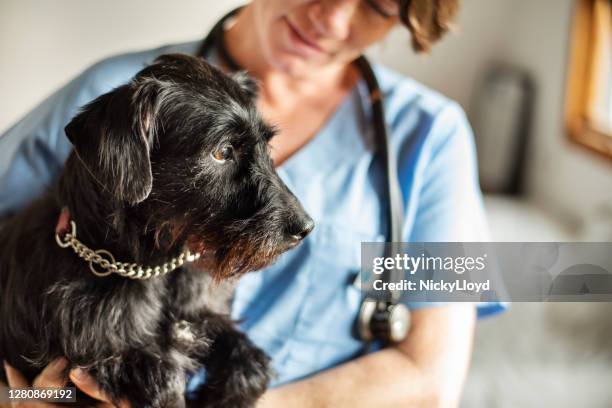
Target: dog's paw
{"points": [[252, 377], [237, 374]]}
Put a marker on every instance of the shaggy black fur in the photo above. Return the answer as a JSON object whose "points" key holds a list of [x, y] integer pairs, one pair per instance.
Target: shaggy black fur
{"points": [[176, 158]]}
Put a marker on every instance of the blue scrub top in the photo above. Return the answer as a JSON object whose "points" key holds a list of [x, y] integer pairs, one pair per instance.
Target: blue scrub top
{"points": [[302, 309]]}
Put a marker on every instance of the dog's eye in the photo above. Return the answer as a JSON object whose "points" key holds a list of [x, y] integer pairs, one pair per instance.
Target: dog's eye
{"points": [[222, 154]]}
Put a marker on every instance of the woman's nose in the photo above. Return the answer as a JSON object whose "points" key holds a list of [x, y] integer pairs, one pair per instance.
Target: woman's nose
{"points": [[332, 18]]}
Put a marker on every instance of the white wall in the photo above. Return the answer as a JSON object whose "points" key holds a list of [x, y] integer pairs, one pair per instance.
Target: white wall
{"points": [[44, 43]]}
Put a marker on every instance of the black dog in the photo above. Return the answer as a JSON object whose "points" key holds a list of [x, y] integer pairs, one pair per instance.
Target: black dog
{"points": [[175, 160]]}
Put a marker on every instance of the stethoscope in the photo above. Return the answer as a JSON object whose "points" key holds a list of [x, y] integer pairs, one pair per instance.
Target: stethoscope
{"points": [[383, 319]]}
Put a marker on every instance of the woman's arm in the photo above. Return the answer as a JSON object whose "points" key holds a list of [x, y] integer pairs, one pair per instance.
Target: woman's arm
{"points": [[427, 370], [33, 150]]}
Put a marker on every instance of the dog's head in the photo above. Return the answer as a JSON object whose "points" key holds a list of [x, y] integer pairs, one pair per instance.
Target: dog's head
{"points": [[184, 146]]}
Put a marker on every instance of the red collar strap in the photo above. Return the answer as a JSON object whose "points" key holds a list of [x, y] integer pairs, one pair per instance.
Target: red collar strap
{"points": [[63, 222]]}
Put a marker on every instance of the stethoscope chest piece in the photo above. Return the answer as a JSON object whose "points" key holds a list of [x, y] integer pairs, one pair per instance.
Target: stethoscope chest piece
{"points": [[383, 321]]}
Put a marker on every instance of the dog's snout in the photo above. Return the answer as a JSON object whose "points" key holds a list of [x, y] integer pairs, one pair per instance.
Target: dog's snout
{"points": [[299, 229]]}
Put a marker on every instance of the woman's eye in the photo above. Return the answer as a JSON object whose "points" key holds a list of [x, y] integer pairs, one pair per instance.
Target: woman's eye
{"points": [[223, 153], [386, 8]]}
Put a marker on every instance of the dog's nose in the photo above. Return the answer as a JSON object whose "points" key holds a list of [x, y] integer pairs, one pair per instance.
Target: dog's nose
{"points": [[299, 230]]}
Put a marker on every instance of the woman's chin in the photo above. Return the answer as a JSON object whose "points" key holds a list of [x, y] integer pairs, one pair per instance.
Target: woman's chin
{"points": [[296, 66]]}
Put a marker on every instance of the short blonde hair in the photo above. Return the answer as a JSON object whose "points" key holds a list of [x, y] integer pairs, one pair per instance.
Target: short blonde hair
{"points": [[428, 20]]}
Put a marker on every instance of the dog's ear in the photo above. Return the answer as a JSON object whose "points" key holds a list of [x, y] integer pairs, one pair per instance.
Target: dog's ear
{"points": [[247, 83], [112, 136]]}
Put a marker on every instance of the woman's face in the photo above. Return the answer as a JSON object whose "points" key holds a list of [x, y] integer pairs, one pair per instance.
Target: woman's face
{"points": [[299, 35]]}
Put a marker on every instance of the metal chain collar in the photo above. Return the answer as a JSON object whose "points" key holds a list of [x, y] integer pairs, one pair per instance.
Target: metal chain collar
{"points": [[109, 265]]}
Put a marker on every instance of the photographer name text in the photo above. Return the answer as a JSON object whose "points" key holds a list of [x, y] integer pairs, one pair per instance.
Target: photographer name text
{"points": [[460, 285]]}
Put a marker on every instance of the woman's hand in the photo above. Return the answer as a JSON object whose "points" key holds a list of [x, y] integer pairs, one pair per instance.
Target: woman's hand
{"points": [[51, 377]]}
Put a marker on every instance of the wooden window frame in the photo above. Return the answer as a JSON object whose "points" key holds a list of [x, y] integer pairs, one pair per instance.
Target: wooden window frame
{"points": [[582, 80]]}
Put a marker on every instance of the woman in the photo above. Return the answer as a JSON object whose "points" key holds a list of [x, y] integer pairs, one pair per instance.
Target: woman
{"points": [[302, 310]]}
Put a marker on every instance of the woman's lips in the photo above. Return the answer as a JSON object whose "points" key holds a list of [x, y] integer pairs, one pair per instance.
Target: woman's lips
{"points": [[300, 41]]}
